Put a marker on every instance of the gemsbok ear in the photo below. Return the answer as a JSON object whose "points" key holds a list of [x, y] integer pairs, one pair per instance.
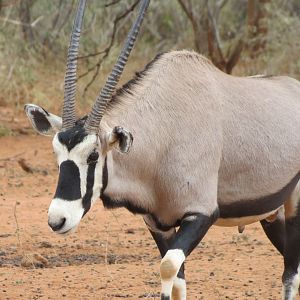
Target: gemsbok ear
{"points": [[43, 122], [120, 139]]}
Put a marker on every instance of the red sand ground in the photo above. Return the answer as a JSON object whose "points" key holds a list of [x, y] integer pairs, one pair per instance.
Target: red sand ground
{"points": [[112, 255]]}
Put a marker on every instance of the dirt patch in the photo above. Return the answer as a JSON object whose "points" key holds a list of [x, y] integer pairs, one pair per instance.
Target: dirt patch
{"points": [[112, 256]]}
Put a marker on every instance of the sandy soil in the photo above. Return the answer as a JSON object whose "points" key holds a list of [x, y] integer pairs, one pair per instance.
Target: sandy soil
{"points": [[112, 255]]}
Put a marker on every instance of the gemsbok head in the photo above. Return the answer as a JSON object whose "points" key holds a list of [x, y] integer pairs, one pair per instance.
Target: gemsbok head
{"points": [[79, 145]]}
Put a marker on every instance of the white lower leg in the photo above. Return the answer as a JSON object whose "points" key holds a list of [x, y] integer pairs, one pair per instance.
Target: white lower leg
{"points": [[179, 289], [169, 268], [291, 287]]}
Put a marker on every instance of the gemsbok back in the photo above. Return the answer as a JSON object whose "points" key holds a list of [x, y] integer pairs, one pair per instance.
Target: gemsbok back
{"points": [[184, 145]]}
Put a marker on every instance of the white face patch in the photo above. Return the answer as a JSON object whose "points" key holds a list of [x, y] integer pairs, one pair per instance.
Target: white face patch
{"points": [[72, 210]]}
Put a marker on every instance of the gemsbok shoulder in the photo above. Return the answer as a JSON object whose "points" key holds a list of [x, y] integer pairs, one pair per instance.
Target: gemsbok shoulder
{"points": [[184, 145]]}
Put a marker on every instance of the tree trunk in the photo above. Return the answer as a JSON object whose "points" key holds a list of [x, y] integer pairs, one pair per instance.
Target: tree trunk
{"points": [[257, 26], [25, 18]]}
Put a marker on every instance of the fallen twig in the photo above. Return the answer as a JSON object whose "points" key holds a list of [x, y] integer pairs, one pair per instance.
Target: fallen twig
{"points": [[25, 166], [18, 228]]}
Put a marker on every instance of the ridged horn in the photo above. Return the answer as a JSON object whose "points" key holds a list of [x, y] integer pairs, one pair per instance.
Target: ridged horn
{"points": [[68, 113], [99, 107]]}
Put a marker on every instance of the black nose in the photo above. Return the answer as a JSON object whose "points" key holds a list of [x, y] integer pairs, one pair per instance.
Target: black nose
{"points": [[57, 225]]}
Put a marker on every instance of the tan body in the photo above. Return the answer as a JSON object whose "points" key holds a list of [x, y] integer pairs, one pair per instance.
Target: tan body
{"points": [[205, 148], [203, 138], [208, 148]]}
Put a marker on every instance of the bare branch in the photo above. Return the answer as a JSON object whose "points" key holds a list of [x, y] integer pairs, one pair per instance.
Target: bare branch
{"points": [[9, 3], [25, 20], [63, 23], [57, 15], [195, 20], [15, 22], [215, 32], [187, 7], [107, 50], [234, 56], [112, 3]]}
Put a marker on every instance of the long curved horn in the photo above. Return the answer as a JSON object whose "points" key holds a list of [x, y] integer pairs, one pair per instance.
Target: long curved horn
{"points": [[105, 95], [68, 113]]}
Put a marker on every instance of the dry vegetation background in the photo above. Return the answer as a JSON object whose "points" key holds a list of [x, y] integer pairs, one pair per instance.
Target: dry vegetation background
{"points": [[240, 36], [113, 256]]}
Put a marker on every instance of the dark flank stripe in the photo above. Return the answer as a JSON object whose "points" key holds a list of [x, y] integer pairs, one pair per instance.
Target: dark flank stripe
{"points": [[244, 208], [68, 187]]}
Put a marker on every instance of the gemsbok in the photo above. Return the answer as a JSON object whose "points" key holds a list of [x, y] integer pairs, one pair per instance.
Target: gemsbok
{"points": [[184, 145]]}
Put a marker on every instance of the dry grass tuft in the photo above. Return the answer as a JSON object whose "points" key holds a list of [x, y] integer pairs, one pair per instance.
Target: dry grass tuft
{"points": [[34, 260]]}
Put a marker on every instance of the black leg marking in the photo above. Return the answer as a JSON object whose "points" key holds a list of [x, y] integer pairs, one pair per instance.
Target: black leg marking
{"points": [[192, 229], [291, 256], [163, 246], [191, 232], [180, 273], [275, 231], [163, 242]]}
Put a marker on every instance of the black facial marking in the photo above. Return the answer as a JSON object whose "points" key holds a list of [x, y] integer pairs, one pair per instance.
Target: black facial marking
{"points": [[68, 186], [80, 122], [244, 208], [72, 137], [40, 121], [86, 200], [104, 176], [93, 157]]}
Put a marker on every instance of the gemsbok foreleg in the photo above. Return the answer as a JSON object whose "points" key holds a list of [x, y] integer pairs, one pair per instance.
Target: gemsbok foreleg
{"points": [[291, 276], [192, 229], [275, 231], [163, 240]]}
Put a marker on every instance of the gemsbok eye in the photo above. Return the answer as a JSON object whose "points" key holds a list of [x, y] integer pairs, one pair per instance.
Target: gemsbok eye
{"points": [[93, 157]]}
